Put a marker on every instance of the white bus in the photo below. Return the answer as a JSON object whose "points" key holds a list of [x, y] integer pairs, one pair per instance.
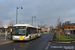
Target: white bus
{"points": [[25, 32]]}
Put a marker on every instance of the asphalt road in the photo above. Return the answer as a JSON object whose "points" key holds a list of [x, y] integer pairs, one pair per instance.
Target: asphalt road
{"points": [[38, 44]]}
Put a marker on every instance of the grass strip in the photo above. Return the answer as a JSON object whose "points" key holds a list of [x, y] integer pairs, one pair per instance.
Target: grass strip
{"points": [[62, 38]]}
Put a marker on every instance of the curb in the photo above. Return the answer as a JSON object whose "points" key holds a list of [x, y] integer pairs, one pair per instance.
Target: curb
{"points": [[63, 41], [51, 38], [6, 42]]}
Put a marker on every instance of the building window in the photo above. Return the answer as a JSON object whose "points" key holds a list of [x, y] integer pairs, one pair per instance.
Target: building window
{"points": [[68, 27], [65, 27], [72, 27]]}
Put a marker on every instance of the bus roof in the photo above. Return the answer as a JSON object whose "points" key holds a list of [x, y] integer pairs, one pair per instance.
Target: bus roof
{"points": [[27, 25], [23, 25]]}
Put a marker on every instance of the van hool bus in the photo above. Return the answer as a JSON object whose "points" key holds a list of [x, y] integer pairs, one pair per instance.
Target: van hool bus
{"points": [[25, 32]]}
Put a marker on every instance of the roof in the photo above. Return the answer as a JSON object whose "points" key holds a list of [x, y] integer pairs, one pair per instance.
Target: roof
{"points": [[28, 25], [23, 25], [73, 24]]}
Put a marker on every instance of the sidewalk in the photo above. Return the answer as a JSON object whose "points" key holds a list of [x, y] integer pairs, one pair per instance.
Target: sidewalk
{"points": [[3, 41]]}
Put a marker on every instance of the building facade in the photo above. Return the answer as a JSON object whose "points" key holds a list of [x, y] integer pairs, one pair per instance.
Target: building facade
{"points": [[68, 26]]}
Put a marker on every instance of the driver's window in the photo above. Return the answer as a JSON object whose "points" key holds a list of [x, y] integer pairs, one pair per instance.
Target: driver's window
{"points": [[28, 30]]}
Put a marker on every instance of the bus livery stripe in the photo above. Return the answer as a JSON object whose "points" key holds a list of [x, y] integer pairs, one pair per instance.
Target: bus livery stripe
{"points": [[21, 38]]}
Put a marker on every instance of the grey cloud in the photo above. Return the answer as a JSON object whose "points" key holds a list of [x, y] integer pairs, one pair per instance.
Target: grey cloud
{"points": [[46, 11]]}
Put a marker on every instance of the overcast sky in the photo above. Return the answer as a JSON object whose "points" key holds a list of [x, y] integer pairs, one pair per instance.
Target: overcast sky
{"points": [[47, 11]]}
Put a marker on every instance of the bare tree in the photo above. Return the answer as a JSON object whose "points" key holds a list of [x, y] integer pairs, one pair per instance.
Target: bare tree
{"points": [[11, 23], [59, 26]]}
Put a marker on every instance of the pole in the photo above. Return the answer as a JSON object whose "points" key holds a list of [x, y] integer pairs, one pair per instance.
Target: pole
{"points": [[37, 31], [16, 13], [72, 33], [32, 20], [11, 33], [67, 33], [5, 33]]}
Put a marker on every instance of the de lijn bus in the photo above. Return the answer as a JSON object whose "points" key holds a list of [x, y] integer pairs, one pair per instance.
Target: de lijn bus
{"points": [[25, 32]]}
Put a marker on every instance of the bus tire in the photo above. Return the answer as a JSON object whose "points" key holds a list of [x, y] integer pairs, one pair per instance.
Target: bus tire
{"points": [[30, 38]]}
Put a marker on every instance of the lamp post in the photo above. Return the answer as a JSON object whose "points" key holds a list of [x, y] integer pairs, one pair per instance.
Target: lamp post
{"points": [[17, 12], [32, 19]]}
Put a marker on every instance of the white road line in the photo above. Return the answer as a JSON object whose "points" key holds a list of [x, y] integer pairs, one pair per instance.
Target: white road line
{"points": [[14, 49], [49, 42], [21, 46], [6, 42], [47, 46]]}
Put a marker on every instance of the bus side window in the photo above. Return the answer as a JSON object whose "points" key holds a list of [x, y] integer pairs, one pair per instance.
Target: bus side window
{"points": [[28, 31], [31, 31], [35, 31]]}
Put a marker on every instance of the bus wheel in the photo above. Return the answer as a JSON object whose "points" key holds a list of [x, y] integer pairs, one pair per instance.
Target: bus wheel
{"points": [[36, 36], [30, 38]]}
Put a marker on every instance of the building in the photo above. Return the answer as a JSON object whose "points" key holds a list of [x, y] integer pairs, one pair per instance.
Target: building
{"points": [[68, 26]]}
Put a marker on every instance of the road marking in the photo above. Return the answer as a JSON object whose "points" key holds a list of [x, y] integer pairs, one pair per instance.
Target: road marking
{"points": [[6, 42], [47, 46], [14, 49], [21, 46], [49, 42]]}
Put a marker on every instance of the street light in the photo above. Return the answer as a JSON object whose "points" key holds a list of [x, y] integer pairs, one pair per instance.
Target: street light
{"points": [[17, 12], [41, 24], [32, 19]]}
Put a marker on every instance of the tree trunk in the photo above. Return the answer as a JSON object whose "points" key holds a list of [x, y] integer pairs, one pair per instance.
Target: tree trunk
{"points": [[59, 35]]}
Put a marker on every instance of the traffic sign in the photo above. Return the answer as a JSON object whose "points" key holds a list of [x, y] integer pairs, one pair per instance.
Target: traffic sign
{"points": [[5, 26], [60, 30], [10, 30]]}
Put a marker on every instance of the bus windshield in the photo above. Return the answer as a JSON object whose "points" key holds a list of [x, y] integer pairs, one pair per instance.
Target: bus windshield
{"points": [[19, 30]]}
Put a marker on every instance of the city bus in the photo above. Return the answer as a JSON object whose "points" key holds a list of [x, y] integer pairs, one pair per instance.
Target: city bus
{"points": [[25, 32]]}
